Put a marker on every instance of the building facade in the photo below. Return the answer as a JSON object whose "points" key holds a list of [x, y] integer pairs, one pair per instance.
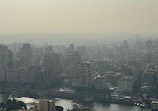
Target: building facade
{"points": [[125, 84], [82, 75], [46, 105]]}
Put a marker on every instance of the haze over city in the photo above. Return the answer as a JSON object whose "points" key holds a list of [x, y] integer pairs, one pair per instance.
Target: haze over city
{"points": [[78, 55], [81, 16]]}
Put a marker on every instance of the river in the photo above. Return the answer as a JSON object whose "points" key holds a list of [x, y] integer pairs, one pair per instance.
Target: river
{"points": [[68, 104]]}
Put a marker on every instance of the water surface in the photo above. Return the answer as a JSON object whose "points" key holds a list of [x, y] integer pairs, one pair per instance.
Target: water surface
{"points": [[68, 104]]}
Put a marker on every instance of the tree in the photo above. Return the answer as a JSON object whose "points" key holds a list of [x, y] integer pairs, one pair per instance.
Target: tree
{"points": [[13, 104]]}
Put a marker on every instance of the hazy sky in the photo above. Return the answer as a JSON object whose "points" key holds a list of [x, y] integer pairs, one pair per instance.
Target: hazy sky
{"points": [[62, 16]]}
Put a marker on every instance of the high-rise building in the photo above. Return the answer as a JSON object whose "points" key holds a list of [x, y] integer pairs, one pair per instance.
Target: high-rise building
{"points": [[71, 49], [49, 50], [6, 62], [51, 68], [6, 58], [26, 54], [46, 105], [73, 59], [149, 46], [32, 74], [125, 84], [52, 62], [83, 51], [82, 75], [126, 45]]}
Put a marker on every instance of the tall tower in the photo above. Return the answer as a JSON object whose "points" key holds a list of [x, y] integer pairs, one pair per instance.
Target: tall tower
{"points": [[149, 46], [26, 54], [6, 62], [49, 50], [71, 49], [6, 58], [149, 51]]}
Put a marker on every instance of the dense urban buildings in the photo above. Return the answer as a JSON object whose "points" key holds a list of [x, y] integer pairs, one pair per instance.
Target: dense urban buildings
{"points": [[114, 71]]}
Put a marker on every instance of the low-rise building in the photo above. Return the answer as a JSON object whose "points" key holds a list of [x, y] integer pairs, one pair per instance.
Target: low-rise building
{"points": [[154, 105]]}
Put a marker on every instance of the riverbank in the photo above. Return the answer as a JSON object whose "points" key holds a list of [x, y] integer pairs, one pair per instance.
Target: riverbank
{"points": [[87, 100], [95, 106], [69, 104]]}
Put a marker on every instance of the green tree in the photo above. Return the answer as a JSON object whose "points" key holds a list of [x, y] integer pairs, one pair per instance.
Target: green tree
{"points": [[13, 104]]}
